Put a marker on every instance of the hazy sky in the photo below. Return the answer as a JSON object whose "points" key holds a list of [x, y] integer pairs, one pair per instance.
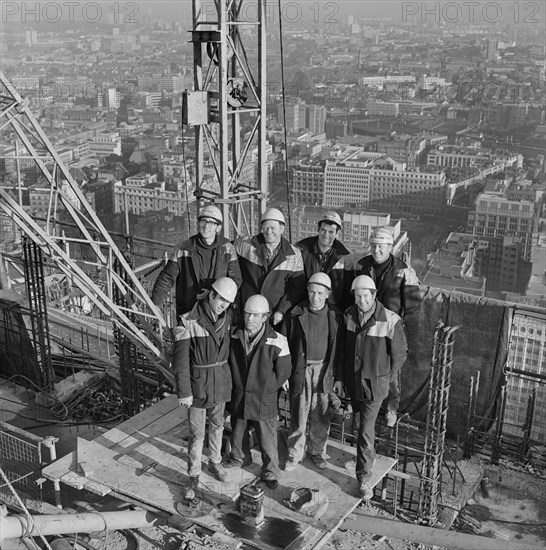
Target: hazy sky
{"points": [[460, 12], [362, 8], [466, 10]]}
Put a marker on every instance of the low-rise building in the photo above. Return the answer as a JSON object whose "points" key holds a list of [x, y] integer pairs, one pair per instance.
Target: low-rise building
{"points": [[105, 143]]}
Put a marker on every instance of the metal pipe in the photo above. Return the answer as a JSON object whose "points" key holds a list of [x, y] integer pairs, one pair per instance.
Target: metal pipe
{"points": [[13, 527]]}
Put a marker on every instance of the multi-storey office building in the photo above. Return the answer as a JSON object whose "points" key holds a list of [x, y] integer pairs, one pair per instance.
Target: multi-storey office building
{"points": [[308, 182], [139, 200], [496, 216], [374, 180]]}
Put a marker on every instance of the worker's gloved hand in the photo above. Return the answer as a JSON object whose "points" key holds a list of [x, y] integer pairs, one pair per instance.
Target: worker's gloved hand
{"points": [[286, 386], [185, 401]]}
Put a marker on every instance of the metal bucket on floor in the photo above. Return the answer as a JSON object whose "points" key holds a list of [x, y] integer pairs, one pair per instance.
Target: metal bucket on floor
{"points": [[251, 505]]}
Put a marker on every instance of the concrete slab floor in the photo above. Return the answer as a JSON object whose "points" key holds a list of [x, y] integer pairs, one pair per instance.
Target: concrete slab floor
{"points": [[511, 504]]}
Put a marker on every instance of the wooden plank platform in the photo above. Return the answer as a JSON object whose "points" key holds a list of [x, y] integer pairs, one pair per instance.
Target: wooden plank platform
{"points": [[156, 438]]}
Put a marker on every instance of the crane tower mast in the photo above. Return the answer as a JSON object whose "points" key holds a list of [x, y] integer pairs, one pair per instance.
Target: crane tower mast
{"points": [[229, 84], [229, 94]]}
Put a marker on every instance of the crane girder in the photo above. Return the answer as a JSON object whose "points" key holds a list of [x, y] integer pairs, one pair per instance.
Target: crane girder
{"points": [[135, 318]]}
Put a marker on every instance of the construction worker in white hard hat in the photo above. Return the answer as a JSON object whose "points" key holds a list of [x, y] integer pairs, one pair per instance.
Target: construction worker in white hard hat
{"points": [[325, 252], [197, 262], [314, 329], [203, 376], [397, 289], [375, 350], [271, 266], [260, 365]]}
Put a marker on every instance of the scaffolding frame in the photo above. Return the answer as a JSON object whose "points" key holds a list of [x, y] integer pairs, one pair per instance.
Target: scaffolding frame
{"points": [[516, 423], [22, 456]]}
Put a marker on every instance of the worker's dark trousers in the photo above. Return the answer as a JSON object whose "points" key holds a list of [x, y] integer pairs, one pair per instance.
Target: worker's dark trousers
{"points": [[368, 411], [266, 433]]}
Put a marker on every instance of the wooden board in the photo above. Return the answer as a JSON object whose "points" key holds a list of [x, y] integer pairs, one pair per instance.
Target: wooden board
{"points": [[336, 482], [152, 490], [115, 462]]}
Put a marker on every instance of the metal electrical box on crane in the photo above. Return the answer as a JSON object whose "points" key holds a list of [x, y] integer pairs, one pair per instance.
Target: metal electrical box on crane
{"points": [[195, 108]]}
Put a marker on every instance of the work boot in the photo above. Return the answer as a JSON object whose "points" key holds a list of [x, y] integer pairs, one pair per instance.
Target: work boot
{"points": [[271, 483], [218, 471], [365, 490], [231, 462], [319, 462], [290, 464], [391, 418], [191, 488]]}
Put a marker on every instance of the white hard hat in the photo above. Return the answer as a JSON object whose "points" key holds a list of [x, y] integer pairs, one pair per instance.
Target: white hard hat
{"points": [[363, 282], [257, 304], [320, 279], [331, 217], [381, 235], [211, 211], [226, 288], [273, 214]]}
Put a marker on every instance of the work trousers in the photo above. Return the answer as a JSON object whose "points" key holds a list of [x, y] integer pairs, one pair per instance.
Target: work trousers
{"points": [[266, 433], [197, 418], [309, 405], [368, 409]]}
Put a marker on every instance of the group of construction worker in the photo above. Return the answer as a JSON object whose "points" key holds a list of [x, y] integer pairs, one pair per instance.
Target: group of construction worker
{"points": [[259, 315]]}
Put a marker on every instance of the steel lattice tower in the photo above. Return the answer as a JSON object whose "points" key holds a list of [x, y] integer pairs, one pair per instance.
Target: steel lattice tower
{"points": [[227, 84]]}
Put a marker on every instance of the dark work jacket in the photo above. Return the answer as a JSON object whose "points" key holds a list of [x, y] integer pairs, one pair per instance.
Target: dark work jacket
{"points": [[335, 269], [256, 382], [296, 329], [183, 269], [375, 352], [196, 348], [282, 282], [398, 288]]}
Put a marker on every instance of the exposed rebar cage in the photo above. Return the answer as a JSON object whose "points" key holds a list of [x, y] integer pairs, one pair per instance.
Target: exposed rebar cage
{"points": [[140, 380], [34, 279], [436, 421]]}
